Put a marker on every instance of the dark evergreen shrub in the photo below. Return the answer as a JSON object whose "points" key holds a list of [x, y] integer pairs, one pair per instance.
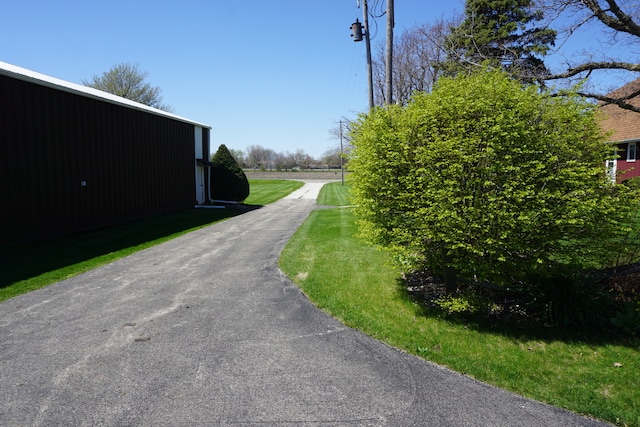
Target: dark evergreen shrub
{"points": [[228, 181]]}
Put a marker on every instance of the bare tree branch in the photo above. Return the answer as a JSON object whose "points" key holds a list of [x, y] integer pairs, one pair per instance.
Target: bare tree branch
{"points": [[418, 54], [606, 100], [617, 19], [592, 66], [613, 17]]}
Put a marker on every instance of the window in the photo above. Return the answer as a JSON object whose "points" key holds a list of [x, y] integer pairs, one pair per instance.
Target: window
{"points": [[631, 152]]}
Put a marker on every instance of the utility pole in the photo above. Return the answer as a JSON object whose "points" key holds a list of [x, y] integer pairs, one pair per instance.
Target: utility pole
{"points": [[367, 40], [341, 156], [357, 33], [389, 59]]}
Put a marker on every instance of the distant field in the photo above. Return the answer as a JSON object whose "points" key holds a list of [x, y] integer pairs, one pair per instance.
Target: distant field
{"points": [[333, 175]]}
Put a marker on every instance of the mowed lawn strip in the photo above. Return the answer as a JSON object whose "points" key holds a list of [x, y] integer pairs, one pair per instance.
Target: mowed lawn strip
{"points": [[26, 267], [268, 191], [354, 282], [334, 194]]}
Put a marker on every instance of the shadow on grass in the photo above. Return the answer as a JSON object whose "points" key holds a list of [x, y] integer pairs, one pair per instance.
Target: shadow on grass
{"points": [[28, 260], [515, 325]]}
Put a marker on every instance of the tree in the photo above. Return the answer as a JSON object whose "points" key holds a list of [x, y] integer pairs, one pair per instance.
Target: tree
{"points": [[485, 177], [303, 160], [333, 158], [128, 81], [618, 21], [417, 57], [228, 181], [501, 34], [259, 157], [284, 161]]}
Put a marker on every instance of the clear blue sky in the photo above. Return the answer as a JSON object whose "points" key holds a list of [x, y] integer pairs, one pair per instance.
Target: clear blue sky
{"points": [[276, 73]]}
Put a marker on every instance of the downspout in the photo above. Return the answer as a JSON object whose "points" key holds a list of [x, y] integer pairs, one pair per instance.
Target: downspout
{"points": [[209, 185]]}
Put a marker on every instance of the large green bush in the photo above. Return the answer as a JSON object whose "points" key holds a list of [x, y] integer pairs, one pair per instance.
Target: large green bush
{"points": [[489, 179], [228, 181]]}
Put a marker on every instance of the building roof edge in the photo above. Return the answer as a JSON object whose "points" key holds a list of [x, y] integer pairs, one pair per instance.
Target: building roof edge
{"points": [[63, 85]]}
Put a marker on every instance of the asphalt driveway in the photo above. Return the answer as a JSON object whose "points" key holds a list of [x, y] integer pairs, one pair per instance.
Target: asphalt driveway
{"points": [[206, 330]]}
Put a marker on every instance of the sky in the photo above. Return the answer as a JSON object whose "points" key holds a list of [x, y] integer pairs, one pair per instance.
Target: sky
{"points": [[278, 73]]}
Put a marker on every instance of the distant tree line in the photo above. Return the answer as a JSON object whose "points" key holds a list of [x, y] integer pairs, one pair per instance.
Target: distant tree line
{"points": [[262, 158]]}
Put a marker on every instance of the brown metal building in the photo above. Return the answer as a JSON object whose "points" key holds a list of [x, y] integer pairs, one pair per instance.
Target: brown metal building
{"points": [[74, 158]]}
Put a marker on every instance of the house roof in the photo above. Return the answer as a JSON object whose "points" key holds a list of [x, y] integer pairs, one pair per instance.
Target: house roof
{"points": [[52, 82], [623, 124]]}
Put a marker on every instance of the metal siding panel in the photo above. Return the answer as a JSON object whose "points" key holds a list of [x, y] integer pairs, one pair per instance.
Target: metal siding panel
{"points": [[27, 200], [125, 154], [108, 196], [11, 105], [68, 178], [5, 183], [135, 163], [90, 160], [114, 173]]}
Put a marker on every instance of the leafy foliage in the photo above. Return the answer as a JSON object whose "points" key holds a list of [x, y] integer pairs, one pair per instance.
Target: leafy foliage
{"points": [[495, 180], [463, 303], [228, 181]]}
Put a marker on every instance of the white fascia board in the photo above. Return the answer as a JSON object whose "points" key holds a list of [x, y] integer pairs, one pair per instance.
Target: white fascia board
{"points": [[88, 92]]}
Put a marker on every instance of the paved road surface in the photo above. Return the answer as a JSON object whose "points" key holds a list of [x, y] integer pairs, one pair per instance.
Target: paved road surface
{"points": [[205, 330]]}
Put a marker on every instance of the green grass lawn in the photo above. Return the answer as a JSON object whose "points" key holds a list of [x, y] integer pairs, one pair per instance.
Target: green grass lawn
{"points": [[355, 282], [26, 267], [268, 191], [335, 194]]}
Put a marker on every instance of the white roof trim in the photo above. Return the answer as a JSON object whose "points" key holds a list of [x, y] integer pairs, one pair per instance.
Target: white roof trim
{"points": [[52, 82]]}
